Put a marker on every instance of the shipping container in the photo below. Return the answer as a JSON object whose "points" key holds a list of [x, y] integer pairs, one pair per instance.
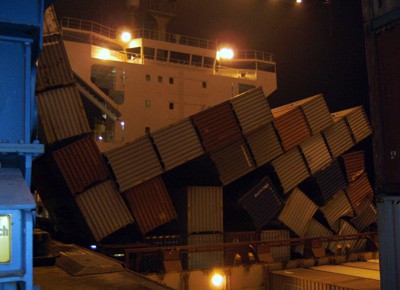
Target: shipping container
{"points": [[357, 121], [314, 229], [339, 206], [233, 162], [252, 110], [301, 278], [290, 169], [177, 144], [358, 190], [316, 153], [338, 138], [353, 246], [134, 162], [367, 216], [264, 144], [200, 208], [150, 204], [262, 202], [50, 23], [80, 164], [54, 69], [281, 253], [104, 209], [354, 164], [62, 114], [324, 183], [217, 126], [237, 255], [382, 51], [351, 271], [298, 211], [292, 127], [377, 13], [205, 259]]}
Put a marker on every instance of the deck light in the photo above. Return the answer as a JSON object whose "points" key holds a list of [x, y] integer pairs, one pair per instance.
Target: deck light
{"points": [[126, 36], [217, 280], [225, 53]]}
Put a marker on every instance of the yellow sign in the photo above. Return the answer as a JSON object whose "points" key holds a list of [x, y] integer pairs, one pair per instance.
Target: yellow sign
{"points": [[5, 238]]}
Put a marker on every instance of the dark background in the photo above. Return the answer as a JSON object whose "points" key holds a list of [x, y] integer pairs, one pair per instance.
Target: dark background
{"points": [[318, 45]]}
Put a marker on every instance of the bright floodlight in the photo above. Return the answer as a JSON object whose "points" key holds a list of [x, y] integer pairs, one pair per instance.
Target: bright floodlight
{"points": [[122, 123], [217, 280], [126, 36], [226, 53], [104, 53], [299, 1]]}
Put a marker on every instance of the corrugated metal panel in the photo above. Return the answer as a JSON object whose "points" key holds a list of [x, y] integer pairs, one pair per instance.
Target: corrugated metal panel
{"points": [[354, 245], [368, 215], [317, 113], [177, 144], [151, 204], [291, 169], [262, 202], [233, 162], [314, 229], [316, 153], [351, 271], [338, 137], [206, 259], [242, 251], [205, 209], [217, 126], [264, 144], [292, 128], [300, 278], [354, 164], [357, 121], [358, 191], [134, 162], [339, 206], [298, 211], [81, 164], [50, 25], [53, 64], [329, 181], [104, 209], [278, 253], [252, 109], [62, 114]]}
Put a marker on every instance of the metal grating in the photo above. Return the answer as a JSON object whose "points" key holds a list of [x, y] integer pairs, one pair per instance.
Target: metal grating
{"points": [[339, 206], [252, 110], [262, 202], [205, 209], [338, 137], [233, 162], [134, 162], [177, 144], [53, 64], [151, 204], [292, 128], [104, 209], [290, 169], [217, 126], [316, 153], [354, 164], [62, 114], [81, 164], [264, 144], [298, 211]]}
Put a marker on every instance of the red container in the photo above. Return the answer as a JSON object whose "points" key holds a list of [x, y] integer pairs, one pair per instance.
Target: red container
{"points": [[358, 191], [217, 126], [150, 204], [354, 164]]}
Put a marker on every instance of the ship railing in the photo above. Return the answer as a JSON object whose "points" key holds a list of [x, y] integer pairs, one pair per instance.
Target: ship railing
{"points": [[152, 259], [236, 73], [87, 25]]}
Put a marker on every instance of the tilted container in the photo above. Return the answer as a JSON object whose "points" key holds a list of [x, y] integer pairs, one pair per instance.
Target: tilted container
{"points": [[338, 137]]}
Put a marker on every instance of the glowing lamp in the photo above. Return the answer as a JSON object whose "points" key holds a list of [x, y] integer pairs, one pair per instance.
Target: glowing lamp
{"points": [[225, 53], [217, 280], [126, 36], [299, 1], [104, 53], [122, 123]]}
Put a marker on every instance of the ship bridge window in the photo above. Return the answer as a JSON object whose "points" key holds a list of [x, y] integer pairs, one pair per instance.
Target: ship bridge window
{"points": [[208, 62], [179, 57], [133, 53], [197, 60], [110, 80], [149, 52], [266, 66], [162, 54]]}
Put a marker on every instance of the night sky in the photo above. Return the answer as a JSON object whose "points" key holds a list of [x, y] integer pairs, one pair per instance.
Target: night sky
{"points": [[319, 47]]}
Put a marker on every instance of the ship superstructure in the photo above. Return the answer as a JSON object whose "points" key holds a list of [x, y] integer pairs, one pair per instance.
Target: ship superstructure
{"points": [[156, 78]]}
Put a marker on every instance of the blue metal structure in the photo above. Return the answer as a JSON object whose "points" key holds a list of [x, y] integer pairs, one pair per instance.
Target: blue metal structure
{"points": [[21, 29]]}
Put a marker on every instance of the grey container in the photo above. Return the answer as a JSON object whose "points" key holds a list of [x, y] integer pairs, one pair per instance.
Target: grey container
{"points": [[205, 259], [339, 206], [316, 153]]}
